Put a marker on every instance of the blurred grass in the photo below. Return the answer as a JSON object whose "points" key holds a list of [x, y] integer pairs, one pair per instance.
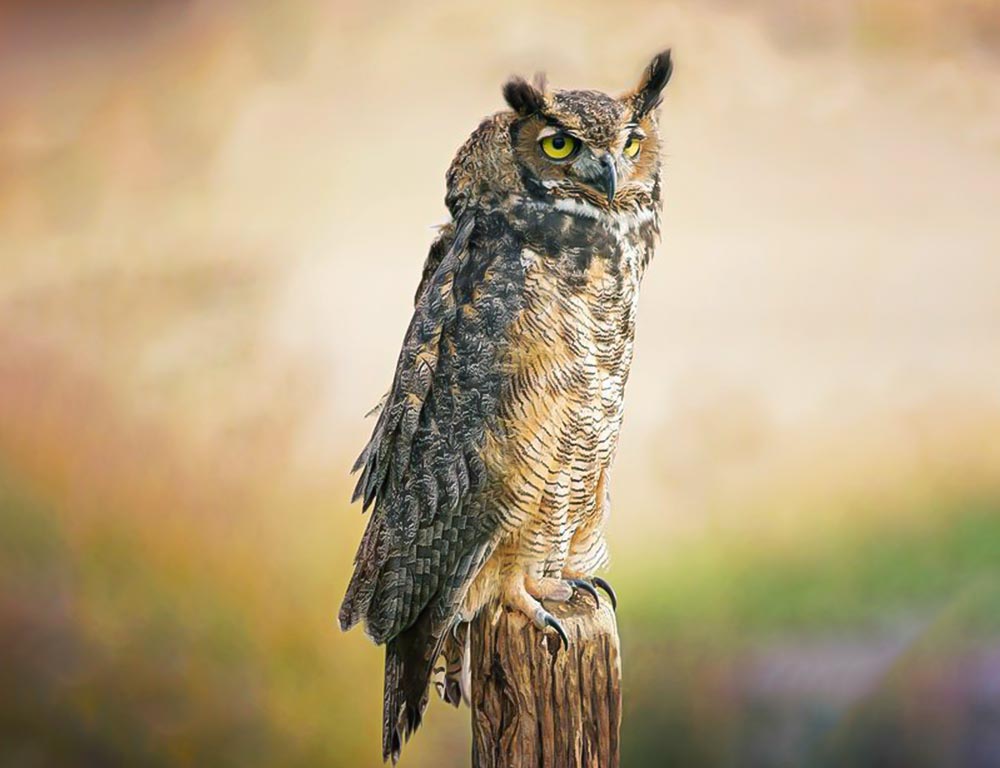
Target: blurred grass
{"points": [[823, 582], [215, 645], [127, 644], [872, 601]]}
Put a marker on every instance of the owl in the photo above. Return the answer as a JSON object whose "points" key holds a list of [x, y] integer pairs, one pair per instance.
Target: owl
{"points": [[489, 466]]}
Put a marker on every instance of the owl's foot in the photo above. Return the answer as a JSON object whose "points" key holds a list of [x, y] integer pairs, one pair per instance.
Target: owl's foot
{"points": [[559, 590], [518, 597], [455, 685], [593, 581]]}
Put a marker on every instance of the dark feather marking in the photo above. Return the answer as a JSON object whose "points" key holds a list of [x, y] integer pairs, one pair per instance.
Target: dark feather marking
{"points": [[523, 97], [439, 248], [654, 80]]}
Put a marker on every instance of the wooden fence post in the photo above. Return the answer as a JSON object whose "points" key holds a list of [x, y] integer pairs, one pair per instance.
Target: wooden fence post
{"points": [[538, 705]]}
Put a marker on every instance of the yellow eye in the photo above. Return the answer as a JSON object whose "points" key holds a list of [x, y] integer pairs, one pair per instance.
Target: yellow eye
{"points": [[559, 147], [631, 147]]}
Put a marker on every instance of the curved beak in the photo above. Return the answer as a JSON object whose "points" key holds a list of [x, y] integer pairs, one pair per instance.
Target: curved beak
{"points": [[608, 181]]}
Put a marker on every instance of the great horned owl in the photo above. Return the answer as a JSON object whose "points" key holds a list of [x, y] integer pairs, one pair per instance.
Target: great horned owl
{"points": [[488, 467]]}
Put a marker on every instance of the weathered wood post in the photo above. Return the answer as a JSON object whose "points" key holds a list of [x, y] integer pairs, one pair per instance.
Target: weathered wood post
{"points": [[537, 705]]}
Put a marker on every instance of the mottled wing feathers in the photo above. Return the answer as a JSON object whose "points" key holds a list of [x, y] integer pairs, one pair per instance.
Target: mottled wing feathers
{"points": [[424, 467], [438, 250], [415, 369]]}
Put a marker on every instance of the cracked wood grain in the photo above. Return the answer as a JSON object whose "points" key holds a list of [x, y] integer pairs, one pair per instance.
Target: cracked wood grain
{"points": [[536, 705]]}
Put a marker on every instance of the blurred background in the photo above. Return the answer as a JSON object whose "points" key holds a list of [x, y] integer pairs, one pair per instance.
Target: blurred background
{"points": [[213, 216]]}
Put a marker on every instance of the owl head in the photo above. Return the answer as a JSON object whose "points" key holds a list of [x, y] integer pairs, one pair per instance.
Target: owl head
{"points": [[586, 144]]}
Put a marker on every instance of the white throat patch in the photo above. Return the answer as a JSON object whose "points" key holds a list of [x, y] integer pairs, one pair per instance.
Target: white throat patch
{"points": [[621, 220]]}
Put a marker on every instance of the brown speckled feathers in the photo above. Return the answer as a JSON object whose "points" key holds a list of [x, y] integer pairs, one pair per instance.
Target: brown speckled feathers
{"points": [[488, 466]]}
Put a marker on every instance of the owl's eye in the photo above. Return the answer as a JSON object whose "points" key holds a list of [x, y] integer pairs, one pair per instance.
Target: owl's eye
{"points": [[631, 147], [560, 146]]}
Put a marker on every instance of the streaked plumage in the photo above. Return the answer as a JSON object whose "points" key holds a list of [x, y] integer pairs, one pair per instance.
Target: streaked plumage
{"points": [[488, 467]]}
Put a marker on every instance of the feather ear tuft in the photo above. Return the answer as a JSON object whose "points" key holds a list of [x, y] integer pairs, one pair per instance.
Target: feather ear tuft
{"points": [[654, 79], [523, 97]]}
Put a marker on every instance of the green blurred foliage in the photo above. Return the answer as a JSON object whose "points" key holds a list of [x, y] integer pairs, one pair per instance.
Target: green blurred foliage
{"points": [[125, 643]]}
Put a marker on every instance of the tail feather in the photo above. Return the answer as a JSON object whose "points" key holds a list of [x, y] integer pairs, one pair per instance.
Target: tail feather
{"points": [[409, 662], [393, 704]]}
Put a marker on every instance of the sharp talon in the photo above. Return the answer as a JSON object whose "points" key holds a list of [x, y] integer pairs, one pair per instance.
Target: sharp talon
{"points": [[587, 587], [454, 630], [550, 621], [598, 581]]}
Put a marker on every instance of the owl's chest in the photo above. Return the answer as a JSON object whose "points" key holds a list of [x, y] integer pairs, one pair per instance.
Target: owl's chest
{"points": [[561, 408], [571, 350], [579, 311]]}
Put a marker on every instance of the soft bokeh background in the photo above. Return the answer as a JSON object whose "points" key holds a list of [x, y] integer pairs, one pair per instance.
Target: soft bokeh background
{"points": [[212, 219]]}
